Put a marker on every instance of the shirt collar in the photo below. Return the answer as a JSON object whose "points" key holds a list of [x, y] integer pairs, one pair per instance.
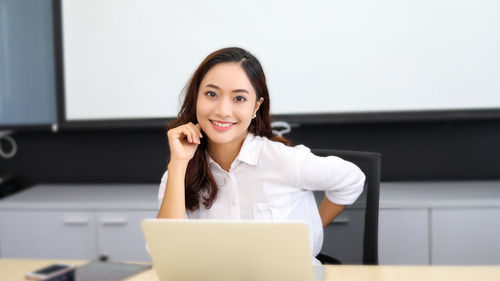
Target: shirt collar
{"points": [[249, 152]]}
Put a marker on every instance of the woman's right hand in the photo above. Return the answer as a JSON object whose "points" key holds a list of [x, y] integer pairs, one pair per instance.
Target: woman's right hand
{"points": [[183, 141]]}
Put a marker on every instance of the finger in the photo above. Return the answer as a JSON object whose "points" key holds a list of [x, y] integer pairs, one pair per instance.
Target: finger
{"points": [[199, 129], [188, 133], [196, 126], [176, 133], [194, 132], [182, 133]]}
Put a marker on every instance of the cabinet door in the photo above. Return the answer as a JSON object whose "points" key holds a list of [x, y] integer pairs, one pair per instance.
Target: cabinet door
{"points": [[466, 236], [47, 234], [120, 235], [403, 237]]}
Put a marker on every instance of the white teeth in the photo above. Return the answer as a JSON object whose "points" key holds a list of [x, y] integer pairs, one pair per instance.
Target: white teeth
{"points": [[223, 125]]}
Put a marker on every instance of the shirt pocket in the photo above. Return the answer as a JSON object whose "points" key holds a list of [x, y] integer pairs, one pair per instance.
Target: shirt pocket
{"points": [[272, 210]]}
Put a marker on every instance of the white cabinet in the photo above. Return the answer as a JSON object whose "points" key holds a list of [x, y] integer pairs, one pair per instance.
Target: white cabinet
{"points": [[47, 234], [120, 235], [404, 237], [77, 222], [439, 223], [466, 236], [419, 223]]}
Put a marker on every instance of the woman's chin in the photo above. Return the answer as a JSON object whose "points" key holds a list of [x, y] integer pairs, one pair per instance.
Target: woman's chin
{"points": [[220, 140], [224, 137]]}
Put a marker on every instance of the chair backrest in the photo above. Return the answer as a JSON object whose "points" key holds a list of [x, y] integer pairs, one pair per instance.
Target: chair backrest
{"points": [[352, 238]]}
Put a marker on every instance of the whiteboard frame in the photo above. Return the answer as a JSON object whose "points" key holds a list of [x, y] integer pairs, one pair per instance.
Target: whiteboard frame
{"points": [[294, 119]]}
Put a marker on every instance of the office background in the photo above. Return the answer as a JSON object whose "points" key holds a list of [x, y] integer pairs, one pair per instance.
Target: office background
{"points": [[416, 146], [439, 161]]}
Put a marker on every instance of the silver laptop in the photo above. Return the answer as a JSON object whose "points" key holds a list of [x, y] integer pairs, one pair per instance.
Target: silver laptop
{"points": [[190, 250]]}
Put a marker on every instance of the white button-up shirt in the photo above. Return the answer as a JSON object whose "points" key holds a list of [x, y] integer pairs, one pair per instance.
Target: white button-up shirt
{"points": [[271, 181]]}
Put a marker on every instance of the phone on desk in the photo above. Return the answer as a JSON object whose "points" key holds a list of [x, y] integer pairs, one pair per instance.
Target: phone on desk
{"points": [[51, 272]]}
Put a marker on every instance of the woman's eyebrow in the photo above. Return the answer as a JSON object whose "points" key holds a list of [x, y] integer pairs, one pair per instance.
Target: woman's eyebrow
{"points": [[234, 91]]}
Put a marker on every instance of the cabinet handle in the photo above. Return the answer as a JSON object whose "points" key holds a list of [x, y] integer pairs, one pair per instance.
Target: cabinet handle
{"points": [[340, 220], [117, 221], [76, 221]]}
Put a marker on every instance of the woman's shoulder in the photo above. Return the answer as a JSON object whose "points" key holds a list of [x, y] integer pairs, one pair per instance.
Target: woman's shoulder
{"points": [[279, 149]]}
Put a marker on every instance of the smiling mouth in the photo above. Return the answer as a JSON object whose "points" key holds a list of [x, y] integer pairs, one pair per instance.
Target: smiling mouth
{"points": [[222, 124]]}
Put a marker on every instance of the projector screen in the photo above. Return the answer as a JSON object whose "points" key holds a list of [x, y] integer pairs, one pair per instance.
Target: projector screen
{"points": [[130, 59]]}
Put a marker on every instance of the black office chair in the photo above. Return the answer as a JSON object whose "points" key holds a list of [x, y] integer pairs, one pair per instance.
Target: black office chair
{"points": [[352, 238]]}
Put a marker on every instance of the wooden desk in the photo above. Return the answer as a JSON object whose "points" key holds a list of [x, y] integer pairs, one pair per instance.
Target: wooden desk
{"points": [[14, 270]]}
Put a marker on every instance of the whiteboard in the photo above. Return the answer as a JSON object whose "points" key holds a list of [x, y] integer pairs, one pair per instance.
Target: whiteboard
{"points": [[130, 59]]}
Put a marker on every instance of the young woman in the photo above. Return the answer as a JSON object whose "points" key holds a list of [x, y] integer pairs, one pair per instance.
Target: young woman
{"points": [[225, 162]]}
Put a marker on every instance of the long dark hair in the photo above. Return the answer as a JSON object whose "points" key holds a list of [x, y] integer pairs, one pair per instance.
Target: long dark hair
{"points": [[199, 182]]}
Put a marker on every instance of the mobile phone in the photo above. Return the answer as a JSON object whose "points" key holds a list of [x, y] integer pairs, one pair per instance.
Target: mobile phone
{"points": [[50, 271]]}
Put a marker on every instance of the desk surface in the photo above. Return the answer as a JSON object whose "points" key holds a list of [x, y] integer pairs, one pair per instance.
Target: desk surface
{"points": [[14, 270]]}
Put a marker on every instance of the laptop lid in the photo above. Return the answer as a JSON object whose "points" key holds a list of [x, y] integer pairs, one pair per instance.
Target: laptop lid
{"points": [[187, 250]]}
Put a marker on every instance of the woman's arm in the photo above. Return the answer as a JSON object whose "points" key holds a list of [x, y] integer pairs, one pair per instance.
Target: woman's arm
{"points": [[183, 142], [173, 204], [341, 180], [329, 211]]}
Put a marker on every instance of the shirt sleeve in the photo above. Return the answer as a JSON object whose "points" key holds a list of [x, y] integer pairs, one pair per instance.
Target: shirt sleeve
{"points": [[341, 180], [162, 187]]}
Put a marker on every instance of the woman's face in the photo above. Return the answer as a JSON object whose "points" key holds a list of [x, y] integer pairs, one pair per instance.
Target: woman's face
{"points": [[226, 103]]}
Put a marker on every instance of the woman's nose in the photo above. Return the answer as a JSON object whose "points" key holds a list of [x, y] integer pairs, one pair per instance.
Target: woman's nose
{"points": [[224, 108]]}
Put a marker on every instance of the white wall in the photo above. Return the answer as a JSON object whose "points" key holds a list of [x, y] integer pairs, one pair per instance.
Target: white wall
{"points": [[131, 58]]}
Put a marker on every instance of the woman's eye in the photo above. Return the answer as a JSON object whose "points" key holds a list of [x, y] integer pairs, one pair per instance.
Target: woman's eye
{"points": [[240, 98], [211, 94]]}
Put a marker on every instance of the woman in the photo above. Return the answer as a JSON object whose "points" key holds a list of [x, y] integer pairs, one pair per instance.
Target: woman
{"points": [[225, 162]]}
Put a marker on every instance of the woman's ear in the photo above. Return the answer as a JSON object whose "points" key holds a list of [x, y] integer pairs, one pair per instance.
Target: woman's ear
{"points": [[257, 106]]}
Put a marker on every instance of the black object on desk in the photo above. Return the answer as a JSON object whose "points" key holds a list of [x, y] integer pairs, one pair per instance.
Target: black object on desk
{"points": [[102, 271]]}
